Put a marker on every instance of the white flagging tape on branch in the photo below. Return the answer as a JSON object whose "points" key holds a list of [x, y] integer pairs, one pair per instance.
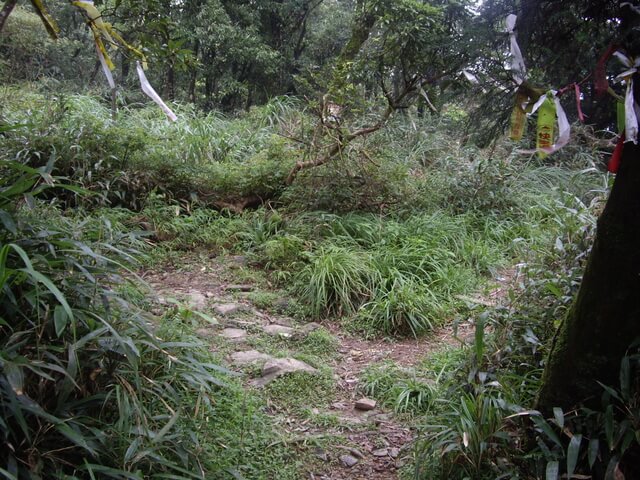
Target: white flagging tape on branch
{"points": [[564, 128], [471, 78], [148, 89], [630, 106], [105, 69], [631, 6], [518, 68]]}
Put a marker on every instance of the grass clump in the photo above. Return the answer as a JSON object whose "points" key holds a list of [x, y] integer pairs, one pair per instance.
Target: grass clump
{"points": [[400, 306], [400, 389], [319, 343], [336, 280], [293, 392]]}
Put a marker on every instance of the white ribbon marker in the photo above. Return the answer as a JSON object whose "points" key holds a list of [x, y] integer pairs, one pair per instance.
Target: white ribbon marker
{"points": [[631, 6], [630, 106], [471, 78], [518, 68], [564, 128], [105, 69], [148, 89]]}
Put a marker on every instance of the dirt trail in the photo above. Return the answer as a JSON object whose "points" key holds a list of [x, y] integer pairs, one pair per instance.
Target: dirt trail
{"points": [[370, 444]]}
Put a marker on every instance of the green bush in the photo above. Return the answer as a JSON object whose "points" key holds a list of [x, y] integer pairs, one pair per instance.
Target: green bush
{"points": [[336, 280], [88, 386], [209, 158], [401, 306]]}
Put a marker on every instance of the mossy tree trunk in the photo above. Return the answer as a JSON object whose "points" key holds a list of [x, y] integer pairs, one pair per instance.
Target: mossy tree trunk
{"points": [[605, 317], [7, 8]]}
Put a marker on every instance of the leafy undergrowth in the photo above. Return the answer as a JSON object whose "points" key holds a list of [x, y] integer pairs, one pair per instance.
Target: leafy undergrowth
{"points": [[389, 240], [91, 385]]}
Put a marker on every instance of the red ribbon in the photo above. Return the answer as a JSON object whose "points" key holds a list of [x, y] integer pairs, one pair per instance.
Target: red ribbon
{"points": [[600, 74], [616, 158]]}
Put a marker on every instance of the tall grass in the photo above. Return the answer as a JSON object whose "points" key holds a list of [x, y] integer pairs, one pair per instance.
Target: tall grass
{"points": [[90, 386], [337, 280], [209, 158]]}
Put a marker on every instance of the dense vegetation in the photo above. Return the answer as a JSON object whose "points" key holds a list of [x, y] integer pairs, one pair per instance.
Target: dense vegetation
{"points": [[399, 216]]}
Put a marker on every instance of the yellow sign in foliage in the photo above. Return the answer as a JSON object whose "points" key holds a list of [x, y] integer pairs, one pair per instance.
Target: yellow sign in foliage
{"points": [[519, 116], [546, 121], [620, 116]]}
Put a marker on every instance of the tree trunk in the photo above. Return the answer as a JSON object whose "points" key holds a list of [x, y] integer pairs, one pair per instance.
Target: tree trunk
{"points": [[7, 8], [362, 26], [194, 74], [605, 317], [171, 82]]}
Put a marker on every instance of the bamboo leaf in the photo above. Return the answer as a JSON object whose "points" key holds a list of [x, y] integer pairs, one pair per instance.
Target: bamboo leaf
{"points": [[558, 414], [625, 378], [8, 476], [479, 338], [572, 454], [542, 424], [553, 468], [594, 447], [60, 319], [42, 279], [608, 426], [75, 437], [7, 221], [132, 450], [159, 437], [47, 19], [15, 377], [52, 288], [610, 474]]}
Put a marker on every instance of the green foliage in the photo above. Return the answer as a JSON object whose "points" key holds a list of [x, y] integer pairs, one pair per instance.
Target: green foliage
{"points": [[89, 387], [293, 392], [592, 441], [320, 343], [501, 375], [72, 348], [401, 389], [201, 157], [336, 280], [29, 54], [401, 305], [469, 438]]}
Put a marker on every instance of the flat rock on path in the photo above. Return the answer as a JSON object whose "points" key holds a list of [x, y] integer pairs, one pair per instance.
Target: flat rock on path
{"points": [[278, 367], [239, 288], [234, 334], [365, 404], [249, 357], [348, 461], [227, 308], [278, 330]]}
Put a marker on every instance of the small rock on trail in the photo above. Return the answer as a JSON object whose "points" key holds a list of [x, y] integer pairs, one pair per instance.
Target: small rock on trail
{"points": [[348, 461], [234, 334], [226, 309], [365, 404], [249, 357], [278, 330], [277, 367]]}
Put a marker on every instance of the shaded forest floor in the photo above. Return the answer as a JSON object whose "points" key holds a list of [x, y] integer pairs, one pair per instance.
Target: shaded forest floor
{"points": [[313, 379]]}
